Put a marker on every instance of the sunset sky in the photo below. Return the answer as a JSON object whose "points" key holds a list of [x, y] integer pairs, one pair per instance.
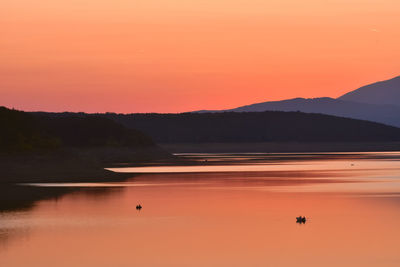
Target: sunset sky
{"points": [[182, 55]]}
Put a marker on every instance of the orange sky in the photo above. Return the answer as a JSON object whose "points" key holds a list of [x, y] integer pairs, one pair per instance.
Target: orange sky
{"points": [[174, 55]]}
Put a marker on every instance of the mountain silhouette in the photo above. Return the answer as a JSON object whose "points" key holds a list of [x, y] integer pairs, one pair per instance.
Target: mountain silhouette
{"points": [[381, 93], [378, 102]]}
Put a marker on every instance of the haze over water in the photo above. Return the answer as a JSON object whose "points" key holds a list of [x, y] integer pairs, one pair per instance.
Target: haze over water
{"points": [[231, 210]]}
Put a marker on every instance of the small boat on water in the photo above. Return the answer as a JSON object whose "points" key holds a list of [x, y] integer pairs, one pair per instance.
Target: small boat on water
{"points": [[301, 219], [139, 207]]}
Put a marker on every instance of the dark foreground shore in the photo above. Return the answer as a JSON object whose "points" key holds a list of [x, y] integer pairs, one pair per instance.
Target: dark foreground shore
{"points": [[65, 165], [283, 147], [74, 164]]}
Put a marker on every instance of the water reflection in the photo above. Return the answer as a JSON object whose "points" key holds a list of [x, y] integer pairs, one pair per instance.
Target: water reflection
{"points": [[218, 218]]}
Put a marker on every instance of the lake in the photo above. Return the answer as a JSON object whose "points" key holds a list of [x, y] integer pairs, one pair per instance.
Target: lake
{"points": [[224, 210]]}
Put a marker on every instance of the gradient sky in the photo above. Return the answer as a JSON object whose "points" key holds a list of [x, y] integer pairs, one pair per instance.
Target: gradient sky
{"points": [[181, 55]]}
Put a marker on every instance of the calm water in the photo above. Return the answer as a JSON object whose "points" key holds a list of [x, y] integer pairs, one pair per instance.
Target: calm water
{"points": [[230, 210]]}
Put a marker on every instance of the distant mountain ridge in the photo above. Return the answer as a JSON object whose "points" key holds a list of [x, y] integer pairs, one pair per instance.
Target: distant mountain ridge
{"points": [[378, 102], [381, 93]]}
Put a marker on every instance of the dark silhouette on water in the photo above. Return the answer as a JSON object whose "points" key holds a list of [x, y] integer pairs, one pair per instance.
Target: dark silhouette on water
{"points": [[301, 220], [139, 207]]}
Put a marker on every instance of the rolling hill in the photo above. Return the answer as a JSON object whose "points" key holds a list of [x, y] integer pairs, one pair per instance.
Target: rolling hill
{"points": [[269, 126], [23, 131], [72, 147]]}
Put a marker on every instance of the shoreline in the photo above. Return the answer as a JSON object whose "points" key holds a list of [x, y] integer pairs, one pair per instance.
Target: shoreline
{"points": [[280, 147], [74, 164]]}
